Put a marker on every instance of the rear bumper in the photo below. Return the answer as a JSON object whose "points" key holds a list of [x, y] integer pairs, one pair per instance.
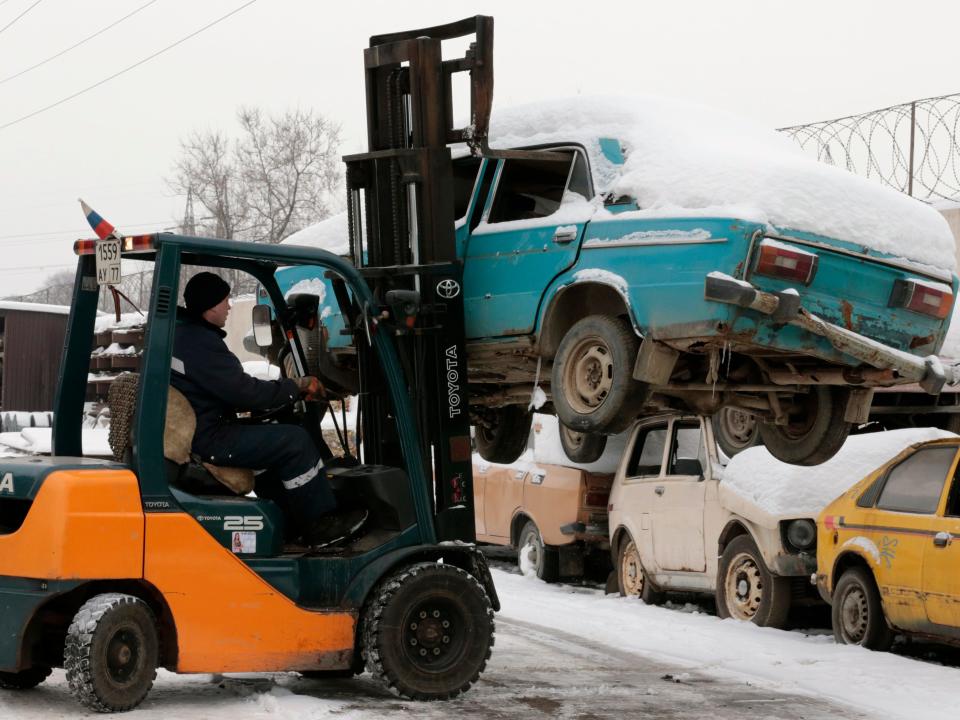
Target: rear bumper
{"points": [[591, 533], [785, 307]]}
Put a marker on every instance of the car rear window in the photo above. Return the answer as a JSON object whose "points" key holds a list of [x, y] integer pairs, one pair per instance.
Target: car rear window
{"points": [[916, 484]]}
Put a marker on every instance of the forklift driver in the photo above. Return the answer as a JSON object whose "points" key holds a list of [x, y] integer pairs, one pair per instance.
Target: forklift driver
{"points": [[290, 469]]}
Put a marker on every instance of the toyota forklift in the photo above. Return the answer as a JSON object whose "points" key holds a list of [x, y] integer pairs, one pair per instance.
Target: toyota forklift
{"points": [[112, 569]]}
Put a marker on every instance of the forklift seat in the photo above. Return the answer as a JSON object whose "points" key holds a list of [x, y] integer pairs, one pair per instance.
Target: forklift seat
{"points": [[181, 422]]}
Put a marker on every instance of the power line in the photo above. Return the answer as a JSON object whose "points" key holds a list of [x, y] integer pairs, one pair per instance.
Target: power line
{"points": [[12, 22], [128, 68], [75, 231], [78, 44]]}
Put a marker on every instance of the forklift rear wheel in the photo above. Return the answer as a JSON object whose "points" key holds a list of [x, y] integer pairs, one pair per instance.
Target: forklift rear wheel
{"points": [[25, 679], [506, 437], [592, 377], [582, 447], [428, 631], [815, 428], [111, 652]]}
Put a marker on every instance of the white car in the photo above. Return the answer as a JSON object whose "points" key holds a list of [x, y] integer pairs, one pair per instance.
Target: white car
{"points": [[682, 521]]}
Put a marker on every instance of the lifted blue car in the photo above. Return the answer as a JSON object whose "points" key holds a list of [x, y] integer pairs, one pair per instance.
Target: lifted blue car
{"points": [[586, 298]]}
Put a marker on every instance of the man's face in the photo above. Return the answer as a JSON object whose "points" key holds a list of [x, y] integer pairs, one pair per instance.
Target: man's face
{"points": [[217, 315]]}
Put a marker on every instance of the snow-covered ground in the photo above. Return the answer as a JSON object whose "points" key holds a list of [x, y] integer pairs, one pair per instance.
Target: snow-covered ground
{"points": [[564, 650]]}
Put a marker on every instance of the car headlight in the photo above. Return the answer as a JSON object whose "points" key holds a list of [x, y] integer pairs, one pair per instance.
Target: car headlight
{"points": [[801, 534]]}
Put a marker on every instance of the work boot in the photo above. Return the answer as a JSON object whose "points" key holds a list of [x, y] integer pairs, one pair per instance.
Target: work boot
{"points": [[334, 527]]}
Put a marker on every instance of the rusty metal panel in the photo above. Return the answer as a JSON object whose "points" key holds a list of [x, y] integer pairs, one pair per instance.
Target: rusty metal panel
{"points": [[32, 346]]}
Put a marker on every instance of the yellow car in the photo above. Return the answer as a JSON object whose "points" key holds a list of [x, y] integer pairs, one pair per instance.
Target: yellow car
{"points": [[888, 550]]}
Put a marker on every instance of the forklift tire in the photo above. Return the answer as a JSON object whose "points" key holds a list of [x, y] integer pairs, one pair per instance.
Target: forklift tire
{"points": [[507, 439], [428, 631], [25, 679], [111, 653]]}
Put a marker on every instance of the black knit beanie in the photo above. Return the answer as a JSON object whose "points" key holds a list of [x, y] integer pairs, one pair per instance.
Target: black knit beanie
{"points": [[203, 291]]}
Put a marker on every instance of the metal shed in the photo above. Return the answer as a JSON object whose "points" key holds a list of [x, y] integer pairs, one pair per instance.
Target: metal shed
{"points": [[31, 343]]}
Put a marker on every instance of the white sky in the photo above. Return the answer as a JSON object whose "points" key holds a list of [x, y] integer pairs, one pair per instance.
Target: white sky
{"points": [[781, 63]]}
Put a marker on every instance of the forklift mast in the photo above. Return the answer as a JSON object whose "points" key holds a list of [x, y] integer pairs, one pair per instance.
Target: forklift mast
{"points": [[401, 223]]}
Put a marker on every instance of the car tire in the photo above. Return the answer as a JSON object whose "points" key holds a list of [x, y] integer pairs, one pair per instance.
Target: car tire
{"points": [[592, 377], [505, 439], [857, 612], [543, 560], [581, 447], [428, 631], [735, 430], [111, 653], [25, 679], [631, 577], [747, 590], [815, 433]]}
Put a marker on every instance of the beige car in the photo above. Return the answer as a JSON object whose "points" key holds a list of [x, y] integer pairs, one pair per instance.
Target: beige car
{"points": [[551, 511], [675, 527]]}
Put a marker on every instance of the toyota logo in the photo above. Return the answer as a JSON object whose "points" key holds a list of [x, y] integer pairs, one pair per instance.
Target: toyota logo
{"points": [[448, 289]]}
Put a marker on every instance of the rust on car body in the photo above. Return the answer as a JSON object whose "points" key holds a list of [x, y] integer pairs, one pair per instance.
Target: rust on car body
{"points": [[847, 309]]}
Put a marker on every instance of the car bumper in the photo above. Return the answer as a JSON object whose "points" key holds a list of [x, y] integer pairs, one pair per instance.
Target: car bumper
{"points": [[785, 307], [591, 533]]}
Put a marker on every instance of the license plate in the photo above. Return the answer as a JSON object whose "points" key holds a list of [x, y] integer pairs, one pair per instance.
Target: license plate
{"points": [[108, 262]]}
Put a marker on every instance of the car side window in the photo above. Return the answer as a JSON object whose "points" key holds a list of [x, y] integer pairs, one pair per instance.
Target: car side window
{"points": [[534, 188], [464, 178], [647, 456], [688, 455], [916, 484]]}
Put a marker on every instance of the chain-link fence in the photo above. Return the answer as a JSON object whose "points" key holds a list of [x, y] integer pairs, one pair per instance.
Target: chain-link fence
{"points": [[911, 147]]}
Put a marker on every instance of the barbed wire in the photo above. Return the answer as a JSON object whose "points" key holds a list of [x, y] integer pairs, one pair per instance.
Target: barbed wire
{"points": [[913, 147]]}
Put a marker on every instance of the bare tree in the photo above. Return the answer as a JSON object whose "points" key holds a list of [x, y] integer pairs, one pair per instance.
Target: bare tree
{"points": [[280, 175]]}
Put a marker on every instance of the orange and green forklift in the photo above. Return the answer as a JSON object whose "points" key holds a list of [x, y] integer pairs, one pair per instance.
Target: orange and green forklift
{"points": [[112, 569]]}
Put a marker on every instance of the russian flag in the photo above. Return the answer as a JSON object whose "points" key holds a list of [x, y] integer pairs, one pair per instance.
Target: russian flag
{"points": [[101, 227]]}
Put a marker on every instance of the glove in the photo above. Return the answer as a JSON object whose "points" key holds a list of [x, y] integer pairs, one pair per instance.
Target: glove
{"points": [[310, 387]]}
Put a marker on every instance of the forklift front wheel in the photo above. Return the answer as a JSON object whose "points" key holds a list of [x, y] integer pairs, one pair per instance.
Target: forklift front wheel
{"points": [[111, 652], [428, 631]]}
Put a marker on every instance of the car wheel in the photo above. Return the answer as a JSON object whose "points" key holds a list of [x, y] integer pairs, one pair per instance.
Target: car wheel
{"points": [[428, 631], [25, 679], [857, 612], [111, 653], [535, 557], [592, 378], [746, 590], [633, 580], [815, 430], [735, 430], [582, 447], [503, 437]]}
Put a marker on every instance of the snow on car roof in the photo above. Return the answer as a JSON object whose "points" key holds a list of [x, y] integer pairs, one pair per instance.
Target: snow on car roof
{"points": [[330, 235], [684, 159], [780, 489]]}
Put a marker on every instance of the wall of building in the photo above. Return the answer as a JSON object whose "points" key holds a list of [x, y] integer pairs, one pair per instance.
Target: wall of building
{"points": [[33, 344]]}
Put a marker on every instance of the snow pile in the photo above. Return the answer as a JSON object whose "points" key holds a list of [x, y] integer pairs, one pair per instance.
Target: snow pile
{"points": [[37, 441], [330, 235], [311, 286], [116, 349], [684, 159], [127, 320], [781, 489]]}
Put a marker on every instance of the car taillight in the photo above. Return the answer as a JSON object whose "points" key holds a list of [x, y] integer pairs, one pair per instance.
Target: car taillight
{"points": [[922, 296], [783, 261], [595, 499]]}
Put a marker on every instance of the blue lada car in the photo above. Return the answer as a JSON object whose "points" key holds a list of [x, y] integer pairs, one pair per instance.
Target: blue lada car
{"points": [[648, 258]]}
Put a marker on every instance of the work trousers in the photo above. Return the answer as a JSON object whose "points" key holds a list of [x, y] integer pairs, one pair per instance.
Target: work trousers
{"points": [[288, 466]]}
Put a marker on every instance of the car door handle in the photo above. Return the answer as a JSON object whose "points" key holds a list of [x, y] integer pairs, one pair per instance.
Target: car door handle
{"points": [[564, 235], [941, 539], [659, 489]]}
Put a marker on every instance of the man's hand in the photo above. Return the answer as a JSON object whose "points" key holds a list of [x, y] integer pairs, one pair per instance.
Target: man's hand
{"points": [[310, 387]]}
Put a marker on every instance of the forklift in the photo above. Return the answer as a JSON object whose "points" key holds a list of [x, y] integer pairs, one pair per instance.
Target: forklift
{"points": [[112, 569]]}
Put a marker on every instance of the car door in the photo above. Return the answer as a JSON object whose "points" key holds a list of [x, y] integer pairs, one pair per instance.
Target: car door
{"points": [[480, 470], [678, 501], [503, 494], [635, 494], [900, 527], [941, 563], [530, 232]]}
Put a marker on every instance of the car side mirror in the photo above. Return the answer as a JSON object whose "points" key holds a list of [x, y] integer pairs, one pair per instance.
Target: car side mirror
{"points": [[262, 333]]}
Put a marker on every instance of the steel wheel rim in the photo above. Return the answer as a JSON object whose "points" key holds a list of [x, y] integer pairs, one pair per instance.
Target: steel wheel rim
{"points": [[738, 426], [588, 376], [123, 655], [854, 615], [531, 545], [433, 635], [744, 587], [573, 438], [631, 572]]}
